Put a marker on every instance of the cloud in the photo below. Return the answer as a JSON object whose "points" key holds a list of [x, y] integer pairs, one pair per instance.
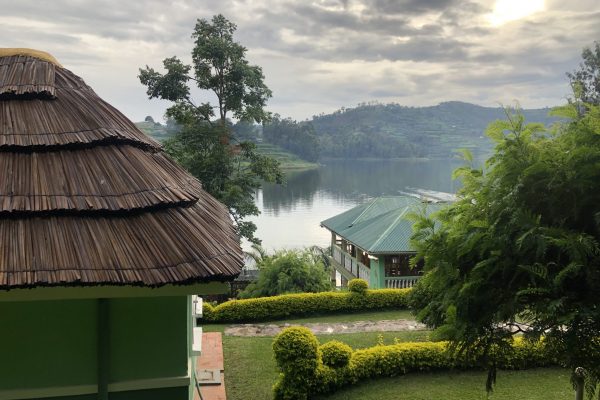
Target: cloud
{"points": [[323, 54]]}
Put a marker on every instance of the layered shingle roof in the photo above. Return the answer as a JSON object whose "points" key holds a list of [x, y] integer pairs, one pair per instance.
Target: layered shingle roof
{"points": [[88, 199]]}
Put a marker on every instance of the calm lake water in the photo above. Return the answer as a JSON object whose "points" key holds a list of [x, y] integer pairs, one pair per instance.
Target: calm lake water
{"points": [[290, 214]]}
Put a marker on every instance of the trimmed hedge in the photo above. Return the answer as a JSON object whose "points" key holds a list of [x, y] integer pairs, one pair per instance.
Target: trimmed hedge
{"points": [[383, 361], [336, 354], [358, 286], [301, 304]]}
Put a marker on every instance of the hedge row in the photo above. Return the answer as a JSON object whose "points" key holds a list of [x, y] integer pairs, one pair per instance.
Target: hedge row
{"points": [[322, 369], [301, 304]]}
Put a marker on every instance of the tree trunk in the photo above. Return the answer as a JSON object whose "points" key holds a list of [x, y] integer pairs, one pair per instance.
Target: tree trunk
{"points": [[579, 383]]}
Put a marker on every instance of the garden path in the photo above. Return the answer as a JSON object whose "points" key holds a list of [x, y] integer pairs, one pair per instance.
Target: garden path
{"points": [[324, 328]]}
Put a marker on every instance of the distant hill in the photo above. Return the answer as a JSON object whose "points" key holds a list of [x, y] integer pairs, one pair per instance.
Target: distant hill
{"points": [[388, 130], [287, 160], [155, 130], [391, 130]]}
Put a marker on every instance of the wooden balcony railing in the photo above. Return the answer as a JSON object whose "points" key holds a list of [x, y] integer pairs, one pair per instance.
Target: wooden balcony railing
{"points": [[350, 264], [400, 282]]}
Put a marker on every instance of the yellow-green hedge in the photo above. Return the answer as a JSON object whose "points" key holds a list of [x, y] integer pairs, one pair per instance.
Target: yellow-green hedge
{"points": [[381, 361], [292, 305]]}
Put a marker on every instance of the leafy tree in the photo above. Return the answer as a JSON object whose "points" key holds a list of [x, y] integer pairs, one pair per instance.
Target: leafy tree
{"points": [[298, 138], [520, 244], [231, 173], [586, 80], [290, 271]]}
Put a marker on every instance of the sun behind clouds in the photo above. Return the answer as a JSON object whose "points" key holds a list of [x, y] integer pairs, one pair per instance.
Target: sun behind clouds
{"points": [[510, 10]]}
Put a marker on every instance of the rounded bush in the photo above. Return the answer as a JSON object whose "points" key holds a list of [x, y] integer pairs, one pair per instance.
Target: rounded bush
{"points": [[358, 286], [296, 350], [336, 354]]}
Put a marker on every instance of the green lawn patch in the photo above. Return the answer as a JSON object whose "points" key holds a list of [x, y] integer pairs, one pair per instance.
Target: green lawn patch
{"points": [[287, 160], [533, 384], [362, 316], [250, 370]]}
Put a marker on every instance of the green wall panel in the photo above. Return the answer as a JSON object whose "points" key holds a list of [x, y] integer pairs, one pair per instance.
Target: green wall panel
{"points": [[178, 393], [148, 338], [51, 343], [54, 344]]}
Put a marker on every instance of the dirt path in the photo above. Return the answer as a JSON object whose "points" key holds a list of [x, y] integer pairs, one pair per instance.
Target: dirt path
{"points": [[327, 328]]}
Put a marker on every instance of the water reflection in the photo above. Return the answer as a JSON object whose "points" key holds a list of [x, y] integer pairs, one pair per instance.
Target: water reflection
{"points": [[291, 213]]}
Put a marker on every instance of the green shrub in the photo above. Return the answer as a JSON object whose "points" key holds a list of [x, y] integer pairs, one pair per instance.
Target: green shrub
{"points": [[296, 349], [333, 369], [301, 304], [336, 354], [298, 356], [359, 286], [208, 311], [289, 271]]}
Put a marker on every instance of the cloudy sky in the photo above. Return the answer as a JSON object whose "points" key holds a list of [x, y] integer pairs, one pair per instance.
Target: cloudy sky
{"points": [[318, 56]]}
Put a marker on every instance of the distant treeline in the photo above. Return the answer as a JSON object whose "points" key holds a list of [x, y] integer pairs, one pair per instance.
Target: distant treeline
{"points": [[298, 138], [375, 130]]}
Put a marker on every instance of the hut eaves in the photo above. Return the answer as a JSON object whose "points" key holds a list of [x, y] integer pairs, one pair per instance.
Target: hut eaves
{"points": [[88, 199]]}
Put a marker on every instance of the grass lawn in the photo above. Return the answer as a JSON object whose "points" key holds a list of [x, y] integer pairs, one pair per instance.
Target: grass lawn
{"points": [[533, 384], [363, 316], [287, 160], [250, 370]]}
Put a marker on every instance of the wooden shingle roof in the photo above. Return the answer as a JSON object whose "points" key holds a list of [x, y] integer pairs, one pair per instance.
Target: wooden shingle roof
{"points": [[88, 199]]}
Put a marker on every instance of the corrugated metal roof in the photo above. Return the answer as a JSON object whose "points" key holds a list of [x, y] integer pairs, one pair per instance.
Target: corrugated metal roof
{"points": [[381, 225]]}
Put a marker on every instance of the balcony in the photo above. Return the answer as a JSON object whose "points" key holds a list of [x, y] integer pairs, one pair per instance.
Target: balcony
{"points": [[351, 264], [400, 282], [351, 268]]}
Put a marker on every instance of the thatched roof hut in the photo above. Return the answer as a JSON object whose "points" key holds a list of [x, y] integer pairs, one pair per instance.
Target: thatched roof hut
{"points": [[105, 244], [88, 199]]}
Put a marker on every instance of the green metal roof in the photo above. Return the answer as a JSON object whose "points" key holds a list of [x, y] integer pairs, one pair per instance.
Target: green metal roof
{"points": [[381, 225]]}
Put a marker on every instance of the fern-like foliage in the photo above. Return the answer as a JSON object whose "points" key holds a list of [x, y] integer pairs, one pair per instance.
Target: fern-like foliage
{"points": [[520, 244]]}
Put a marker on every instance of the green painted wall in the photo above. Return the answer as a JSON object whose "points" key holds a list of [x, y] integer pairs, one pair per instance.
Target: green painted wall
{"points": [[180, 393], [149, 338], [51, 343], [377, 275]]}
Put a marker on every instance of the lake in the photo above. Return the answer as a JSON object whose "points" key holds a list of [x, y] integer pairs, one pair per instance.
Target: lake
{"points": [[290, 214]]}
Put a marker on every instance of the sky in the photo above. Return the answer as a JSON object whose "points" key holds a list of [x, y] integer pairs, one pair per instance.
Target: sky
{"points": [[319, 56]]}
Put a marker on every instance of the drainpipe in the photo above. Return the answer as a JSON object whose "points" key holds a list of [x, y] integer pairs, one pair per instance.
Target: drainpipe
{"points": [[103, 348]]}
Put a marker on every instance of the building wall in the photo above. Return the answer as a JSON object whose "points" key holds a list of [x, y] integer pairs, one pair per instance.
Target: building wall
{"points": [[50, 348], [377, 273]]}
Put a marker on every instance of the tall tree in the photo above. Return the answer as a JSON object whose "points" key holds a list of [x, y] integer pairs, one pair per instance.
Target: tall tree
{"points": [[585, 81], [521, 245], [203, 145]]}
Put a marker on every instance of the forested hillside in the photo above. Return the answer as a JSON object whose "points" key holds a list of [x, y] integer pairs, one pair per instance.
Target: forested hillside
{"points": [[391, 130], [377, 130]]}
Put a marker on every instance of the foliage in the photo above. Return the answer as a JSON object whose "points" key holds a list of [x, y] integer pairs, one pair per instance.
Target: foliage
{"points": [[298, 356], [585, 81], [298, 138], [520, 244], [336, 354], [382, 361], [358, 286], [203, 146], [289, 271], [296, 349], [284, 306], [391, 130]]}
